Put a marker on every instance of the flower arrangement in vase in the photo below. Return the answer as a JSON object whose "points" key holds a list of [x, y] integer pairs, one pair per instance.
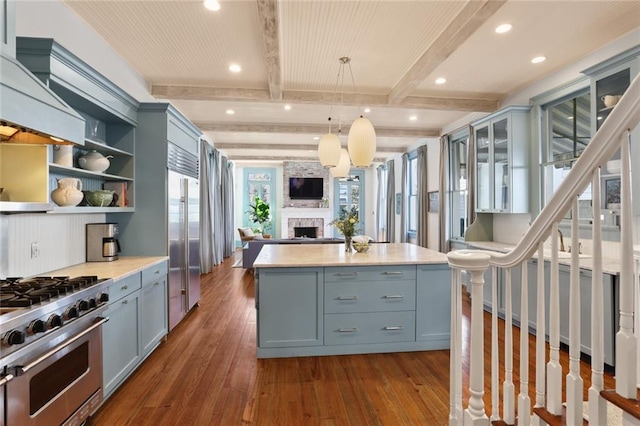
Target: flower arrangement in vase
{"points": [[346, 223]]}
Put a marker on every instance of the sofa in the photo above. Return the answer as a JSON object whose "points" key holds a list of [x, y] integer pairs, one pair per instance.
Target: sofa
{"points": [[251, 249]]}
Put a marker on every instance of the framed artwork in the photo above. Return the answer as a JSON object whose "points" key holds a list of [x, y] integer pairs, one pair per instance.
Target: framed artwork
{"points": [[434, 203], [398, 203], [612, 194]]}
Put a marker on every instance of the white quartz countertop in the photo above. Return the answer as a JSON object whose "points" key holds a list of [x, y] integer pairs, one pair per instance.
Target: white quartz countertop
{"points": [[609, 265], [305, 255], [118, 269]]}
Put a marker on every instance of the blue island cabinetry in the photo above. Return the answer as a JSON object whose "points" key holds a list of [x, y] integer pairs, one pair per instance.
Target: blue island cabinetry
{"points": [[335, 310]]}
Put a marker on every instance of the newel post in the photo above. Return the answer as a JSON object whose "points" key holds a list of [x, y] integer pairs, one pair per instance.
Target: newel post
{"points": [[476, 262]]}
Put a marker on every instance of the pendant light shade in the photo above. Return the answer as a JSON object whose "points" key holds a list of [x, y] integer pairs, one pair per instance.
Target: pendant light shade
{"points": [[362, 142], [342, 169], [329, 150]]}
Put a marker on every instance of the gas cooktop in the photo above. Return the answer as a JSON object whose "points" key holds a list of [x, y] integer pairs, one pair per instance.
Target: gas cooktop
{"points": [[22, 293]]}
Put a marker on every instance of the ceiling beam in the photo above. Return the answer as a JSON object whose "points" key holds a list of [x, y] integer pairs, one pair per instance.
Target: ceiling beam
{"points": [[474, 14], [254, 158], [285, 147], [309, 129], [206, 93], [268, 15]]}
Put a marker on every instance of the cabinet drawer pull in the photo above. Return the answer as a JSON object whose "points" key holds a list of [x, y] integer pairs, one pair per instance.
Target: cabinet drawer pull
{"points": [[393, 273], [346, 274], [393, 296], [124, 302], [393, 327], [347, 330], [124, 287], [157, 271], [156, 283], [347, 297]]}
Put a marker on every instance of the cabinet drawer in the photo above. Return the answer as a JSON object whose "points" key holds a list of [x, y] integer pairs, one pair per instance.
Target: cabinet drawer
{"points": [[378, 327], [124, 286], [370, 273], [376, 296], [153, 273]]}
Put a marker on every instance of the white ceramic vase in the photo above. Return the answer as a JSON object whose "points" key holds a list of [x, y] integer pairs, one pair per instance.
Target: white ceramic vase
{"points": [[69, 192]]}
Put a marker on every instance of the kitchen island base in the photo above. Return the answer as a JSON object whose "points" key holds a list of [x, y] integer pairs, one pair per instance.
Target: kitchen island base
{"points": [[355, 309]]}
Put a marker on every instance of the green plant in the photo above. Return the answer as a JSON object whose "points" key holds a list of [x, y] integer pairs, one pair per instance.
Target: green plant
{"points": [[259, 213]]}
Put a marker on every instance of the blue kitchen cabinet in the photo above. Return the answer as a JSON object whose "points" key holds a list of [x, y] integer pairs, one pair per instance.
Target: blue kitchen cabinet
{"points": [[153, 321]]}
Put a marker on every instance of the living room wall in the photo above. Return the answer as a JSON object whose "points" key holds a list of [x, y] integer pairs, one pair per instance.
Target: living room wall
{"points": [[304, 169]]}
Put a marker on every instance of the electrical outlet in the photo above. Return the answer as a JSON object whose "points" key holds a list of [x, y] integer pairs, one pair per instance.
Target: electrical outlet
{"points": [[35, 249]]}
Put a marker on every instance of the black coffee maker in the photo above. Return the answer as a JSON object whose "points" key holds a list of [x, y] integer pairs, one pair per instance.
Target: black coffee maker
{"points": [[102, 242]]}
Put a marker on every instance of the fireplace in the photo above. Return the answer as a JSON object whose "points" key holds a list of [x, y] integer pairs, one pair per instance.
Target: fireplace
{"points": [[305, 231]]}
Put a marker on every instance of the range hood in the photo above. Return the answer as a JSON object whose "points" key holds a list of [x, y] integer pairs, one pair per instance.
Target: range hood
{"points": [[30, 113]]}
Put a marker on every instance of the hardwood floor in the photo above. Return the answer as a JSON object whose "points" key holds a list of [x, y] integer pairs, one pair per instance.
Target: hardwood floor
{"points": [[206, 373]]}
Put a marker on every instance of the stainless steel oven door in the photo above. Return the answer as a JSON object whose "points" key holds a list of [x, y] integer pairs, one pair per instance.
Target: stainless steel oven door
{"points": [[62, 383]]}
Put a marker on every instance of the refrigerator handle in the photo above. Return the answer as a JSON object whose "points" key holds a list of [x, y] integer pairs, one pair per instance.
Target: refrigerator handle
{"points": [[185, 224]]}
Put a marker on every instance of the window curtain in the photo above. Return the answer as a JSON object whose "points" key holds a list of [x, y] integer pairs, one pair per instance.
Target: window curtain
{"points": [[422, 236], [206, 207], [403, 191], [471, 178], [443, 216], [227, 206], [391, 202], [218, 221], [380, 230]]}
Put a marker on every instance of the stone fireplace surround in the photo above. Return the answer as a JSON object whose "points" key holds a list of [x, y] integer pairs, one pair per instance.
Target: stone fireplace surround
{"points": [[291, 217]]}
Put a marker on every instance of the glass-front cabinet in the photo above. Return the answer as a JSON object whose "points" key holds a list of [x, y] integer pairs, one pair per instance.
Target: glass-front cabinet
{"points": [[502, 143], [458, 157]]}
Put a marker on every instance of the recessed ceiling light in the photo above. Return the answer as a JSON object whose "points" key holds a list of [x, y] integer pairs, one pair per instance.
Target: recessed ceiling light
{"points": [[213, 5], [441, 80], [287, 107], [503, 28], [538, 59], [230, 111], [599, 117], [235, 68], [316, 138], [367, 110], [413, 118], [570, 117], [53, 138]]}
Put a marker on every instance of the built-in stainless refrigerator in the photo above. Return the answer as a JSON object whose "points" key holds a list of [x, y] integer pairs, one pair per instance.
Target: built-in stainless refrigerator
{"points": [[184, 233]]}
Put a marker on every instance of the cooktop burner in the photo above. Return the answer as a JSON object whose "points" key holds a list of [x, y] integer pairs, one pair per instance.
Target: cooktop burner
{"points": [[22, 293]]}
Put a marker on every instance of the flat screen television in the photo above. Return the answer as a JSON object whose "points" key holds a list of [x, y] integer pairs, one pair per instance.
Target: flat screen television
{"points": [[306, 188]]}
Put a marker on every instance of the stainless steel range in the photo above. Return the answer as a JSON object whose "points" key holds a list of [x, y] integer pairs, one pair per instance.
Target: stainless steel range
{"points": [[51, 349]]}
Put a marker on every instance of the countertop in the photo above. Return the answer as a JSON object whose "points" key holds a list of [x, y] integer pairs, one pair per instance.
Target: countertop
{"points": [[290, 255], [118, 269], [609, 265]]}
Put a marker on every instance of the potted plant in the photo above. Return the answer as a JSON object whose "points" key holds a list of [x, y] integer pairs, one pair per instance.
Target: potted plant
{"points": [[259, 214]]}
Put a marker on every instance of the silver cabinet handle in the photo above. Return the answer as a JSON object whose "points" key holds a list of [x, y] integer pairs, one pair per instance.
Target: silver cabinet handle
{"points": [[348, 330], [156, 283], [98, 323], [124, 287], [6, 379], [157, 272], [393, 327], [347, 297], [393, 273], [346, 274], [124, 302], [393, 296]]}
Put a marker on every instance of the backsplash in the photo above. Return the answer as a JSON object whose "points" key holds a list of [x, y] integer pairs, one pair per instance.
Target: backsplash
{"points": [[60, 240]]}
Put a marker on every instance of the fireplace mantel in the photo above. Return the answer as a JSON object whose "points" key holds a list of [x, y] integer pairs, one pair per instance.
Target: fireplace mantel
{"points": [[305, 213]]}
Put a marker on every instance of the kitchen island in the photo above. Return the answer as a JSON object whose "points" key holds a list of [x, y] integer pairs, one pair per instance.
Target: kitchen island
{"points": [[319, 300]]}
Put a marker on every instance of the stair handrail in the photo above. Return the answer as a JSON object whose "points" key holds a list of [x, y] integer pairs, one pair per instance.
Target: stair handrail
{"points": [[624, 116]]}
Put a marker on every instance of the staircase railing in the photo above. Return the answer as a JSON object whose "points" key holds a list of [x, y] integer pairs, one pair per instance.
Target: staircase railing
{"points": [[613, 135]]}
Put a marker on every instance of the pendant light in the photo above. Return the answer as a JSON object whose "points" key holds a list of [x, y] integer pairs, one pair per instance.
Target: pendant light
{"points": [[342, 169]]}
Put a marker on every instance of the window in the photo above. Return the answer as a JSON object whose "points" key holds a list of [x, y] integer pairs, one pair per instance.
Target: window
{"points": [[567, 131], [382, 206], [348, 192], [412, 196], [458, 186]]}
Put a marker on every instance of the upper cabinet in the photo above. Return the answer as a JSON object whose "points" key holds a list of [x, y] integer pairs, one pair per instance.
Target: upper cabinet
{"points": [[502, 143], [110, 116]]}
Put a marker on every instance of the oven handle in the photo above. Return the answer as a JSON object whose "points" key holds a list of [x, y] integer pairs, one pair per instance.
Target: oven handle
{"points": [[6, 379], [23, 369]]}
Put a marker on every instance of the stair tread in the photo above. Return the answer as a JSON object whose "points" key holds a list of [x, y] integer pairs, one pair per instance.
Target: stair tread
{"points": [[553, 420], [631, 406]]}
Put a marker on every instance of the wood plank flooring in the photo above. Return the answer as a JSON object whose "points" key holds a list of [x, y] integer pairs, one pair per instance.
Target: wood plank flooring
{"points": [[207, 373]]}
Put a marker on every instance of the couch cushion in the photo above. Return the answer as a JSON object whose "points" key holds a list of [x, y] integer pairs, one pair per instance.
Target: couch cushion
{"points": [[246, 232]]}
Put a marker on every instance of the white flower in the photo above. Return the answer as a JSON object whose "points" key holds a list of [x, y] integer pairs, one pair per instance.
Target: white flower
{"points": [[362, 239]]}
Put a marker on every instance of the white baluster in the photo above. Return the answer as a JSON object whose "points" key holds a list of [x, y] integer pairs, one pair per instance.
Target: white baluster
{"points": [[574, 381], [541, 327], [455, 354], [524, 402], [508, 389], [597, 404], [495, 352], [554, 369], [626, 341]]}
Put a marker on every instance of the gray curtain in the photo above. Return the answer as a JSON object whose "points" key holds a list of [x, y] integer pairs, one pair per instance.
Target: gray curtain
{"points": [[218, 220], [206, 207], [391, 202], [422, 236], [380, 231], [443, 172], [403, 206], [471, 177], [227, 205]]}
